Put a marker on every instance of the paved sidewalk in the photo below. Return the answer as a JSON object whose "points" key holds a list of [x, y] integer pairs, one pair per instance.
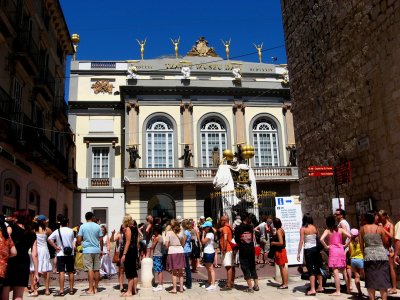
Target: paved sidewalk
{"points": [[268, 290]]}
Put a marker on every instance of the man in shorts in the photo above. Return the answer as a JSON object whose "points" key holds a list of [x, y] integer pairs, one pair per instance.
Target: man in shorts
{"points": [[264, 237], [227, 252], [63, 238], [91, 237]]}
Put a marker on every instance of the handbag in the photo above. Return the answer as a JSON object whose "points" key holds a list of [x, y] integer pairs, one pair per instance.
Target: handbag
{"points": [[115, 258], [67, 250]]}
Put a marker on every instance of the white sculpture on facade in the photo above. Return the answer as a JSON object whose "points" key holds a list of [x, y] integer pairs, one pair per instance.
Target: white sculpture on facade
{"points": [[185, 72], [237, 73], [132, 72]]}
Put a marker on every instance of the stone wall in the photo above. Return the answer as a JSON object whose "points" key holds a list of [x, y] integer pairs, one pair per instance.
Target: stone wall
{"points": [[343, 59]]}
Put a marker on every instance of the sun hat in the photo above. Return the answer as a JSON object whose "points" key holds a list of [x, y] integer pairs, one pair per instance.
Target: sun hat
{"points": [[207, 224], [354, 232]]}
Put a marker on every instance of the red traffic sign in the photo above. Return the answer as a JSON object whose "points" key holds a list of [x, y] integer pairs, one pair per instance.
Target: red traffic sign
{"points": [[320, 169], [318, 174]]}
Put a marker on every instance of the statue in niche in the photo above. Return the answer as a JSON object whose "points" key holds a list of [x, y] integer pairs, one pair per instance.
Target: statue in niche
{"points": [[133, 156], [215, 157], [187, 154], [293, 157]]}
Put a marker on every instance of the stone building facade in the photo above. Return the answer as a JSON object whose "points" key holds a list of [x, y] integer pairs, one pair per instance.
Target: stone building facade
{"points": [[345, 89], [37, 148], [156, 108]]}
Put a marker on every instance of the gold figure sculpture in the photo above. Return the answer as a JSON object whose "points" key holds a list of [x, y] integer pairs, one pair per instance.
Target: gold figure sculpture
{"points": [[259, 50], [142, 44], [227, 44], [75, 41], [176, 44]]}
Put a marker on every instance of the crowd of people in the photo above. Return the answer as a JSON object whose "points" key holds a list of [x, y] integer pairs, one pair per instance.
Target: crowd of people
{"points": [[369, 252], [31, 249]]}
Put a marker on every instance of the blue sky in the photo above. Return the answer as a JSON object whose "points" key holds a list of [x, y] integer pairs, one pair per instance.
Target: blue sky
{"points": [[109, 29]]}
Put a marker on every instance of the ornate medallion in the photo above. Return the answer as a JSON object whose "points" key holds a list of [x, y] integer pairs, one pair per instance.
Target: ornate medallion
{"points": [[201, 49], [102, 86]]}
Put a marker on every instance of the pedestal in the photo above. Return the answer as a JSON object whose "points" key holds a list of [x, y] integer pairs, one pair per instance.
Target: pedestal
{"points": [[146, 273]]}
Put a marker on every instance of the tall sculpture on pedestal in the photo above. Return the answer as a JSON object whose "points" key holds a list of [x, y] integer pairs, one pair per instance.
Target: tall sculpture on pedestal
{"points": [[259, 51], [142, 44], [176, 46], [237, 183]]}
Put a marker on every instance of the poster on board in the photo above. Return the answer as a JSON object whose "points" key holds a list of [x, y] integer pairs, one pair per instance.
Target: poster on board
{"points": [[337, 203], [288, 210]]}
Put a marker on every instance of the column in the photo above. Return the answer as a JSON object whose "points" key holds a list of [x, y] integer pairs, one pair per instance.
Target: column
{"points": [[190, 205], [290, 137]]}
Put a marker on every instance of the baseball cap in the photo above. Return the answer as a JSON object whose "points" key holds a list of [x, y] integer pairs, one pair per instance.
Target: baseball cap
{"points": [[354, 232], [207, 224], [209, 219], [41, 218], [179, 219], [202, 217]]}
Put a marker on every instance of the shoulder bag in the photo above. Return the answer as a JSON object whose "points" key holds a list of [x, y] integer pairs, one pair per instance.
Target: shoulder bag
{"points": [[67, 250]]}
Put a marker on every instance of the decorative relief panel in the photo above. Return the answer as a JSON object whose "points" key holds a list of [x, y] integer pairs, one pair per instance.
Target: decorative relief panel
{"points": [[102, 86]]}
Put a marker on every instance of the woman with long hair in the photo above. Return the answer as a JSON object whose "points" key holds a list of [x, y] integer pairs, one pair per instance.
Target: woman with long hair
{"points": [[7, 250], [312, 255], [117, 237], [279, 243], [376, 262], [176, 256], [18, 266], [337, 256], [388, 228], [130, 254]]}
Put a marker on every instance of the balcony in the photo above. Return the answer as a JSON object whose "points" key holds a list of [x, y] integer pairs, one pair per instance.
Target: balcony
{"points": [[31, 141], [100, 182], [8, 17], [27, 51], [72, 180], [6, 103], [204, 175], [46, 84]]}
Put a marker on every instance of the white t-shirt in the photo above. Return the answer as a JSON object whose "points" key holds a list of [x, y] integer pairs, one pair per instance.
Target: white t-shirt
{"points": [[209, 246], [67, 238]]}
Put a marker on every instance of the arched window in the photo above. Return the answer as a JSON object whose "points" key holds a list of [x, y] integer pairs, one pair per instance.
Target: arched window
{"points": [[213, 134], [160, 143], [265, 138]]}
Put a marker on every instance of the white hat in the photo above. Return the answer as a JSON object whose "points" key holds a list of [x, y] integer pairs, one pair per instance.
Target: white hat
{"points": [[237, 222], [202, 217], [179, 219]]}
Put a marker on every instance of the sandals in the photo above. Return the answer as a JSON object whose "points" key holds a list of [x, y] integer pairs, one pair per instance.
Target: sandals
{"points": [[59, 294], [283, 287]]}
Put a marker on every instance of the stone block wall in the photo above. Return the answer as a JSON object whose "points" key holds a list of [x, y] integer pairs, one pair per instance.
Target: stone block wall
{"points": [[344, 66]]}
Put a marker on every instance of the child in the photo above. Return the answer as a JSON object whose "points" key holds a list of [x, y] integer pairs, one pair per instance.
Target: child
{"points": [[156, 247], [357, 259]]}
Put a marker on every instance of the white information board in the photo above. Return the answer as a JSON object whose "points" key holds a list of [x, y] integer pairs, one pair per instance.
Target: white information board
{"points": [[288, 210], [336, 204]]}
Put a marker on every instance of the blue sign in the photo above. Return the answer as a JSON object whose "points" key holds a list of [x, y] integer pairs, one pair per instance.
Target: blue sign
{"points": [[280, 201]]}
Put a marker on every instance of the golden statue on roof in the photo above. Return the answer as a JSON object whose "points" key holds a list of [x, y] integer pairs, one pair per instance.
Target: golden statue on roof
{"points": [[176, 44]]}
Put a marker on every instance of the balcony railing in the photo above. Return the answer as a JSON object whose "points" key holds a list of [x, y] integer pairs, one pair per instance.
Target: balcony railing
{"points": [[72, 177], [25, 46], [46, 79], [100, 182], [6, 103], [9, 9], [205, 174]]}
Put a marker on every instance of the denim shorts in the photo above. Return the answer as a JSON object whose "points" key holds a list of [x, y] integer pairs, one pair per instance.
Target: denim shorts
{"points": [[357, 263], [208, 258]]}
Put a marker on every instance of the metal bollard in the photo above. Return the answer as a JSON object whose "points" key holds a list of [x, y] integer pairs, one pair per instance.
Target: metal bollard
{"points": [[146, 273]]}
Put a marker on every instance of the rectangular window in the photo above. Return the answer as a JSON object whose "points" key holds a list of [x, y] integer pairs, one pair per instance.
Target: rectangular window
{"points": [[100, 163]]}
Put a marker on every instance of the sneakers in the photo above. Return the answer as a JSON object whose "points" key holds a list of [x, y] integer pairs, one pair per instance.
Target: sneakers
{"points": [[158, 288], [256, 288], [211, 288], [205, 286]]}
